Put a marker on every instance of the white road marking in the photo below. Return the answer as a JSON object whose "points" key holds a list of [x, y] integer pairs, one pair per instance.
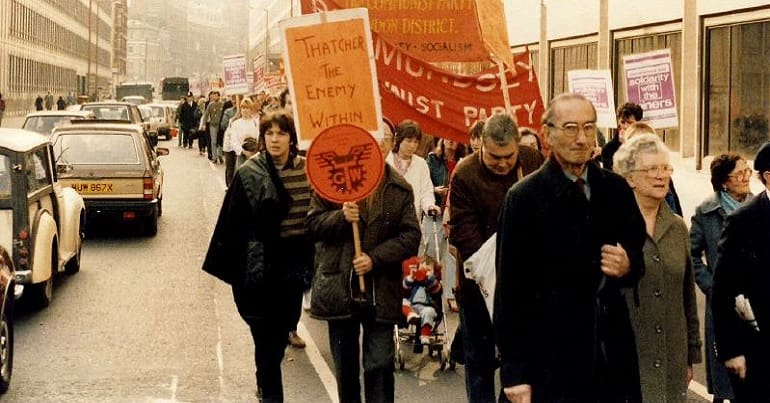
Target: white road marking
{"points": [[701, 391], [220, 360], [174, 383], [321, 368]]}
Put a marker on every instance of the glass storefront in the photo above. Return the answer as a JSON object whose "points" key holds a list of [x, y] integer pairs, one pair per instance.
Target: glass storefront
{"points": [[738, 83], [566, 58]]}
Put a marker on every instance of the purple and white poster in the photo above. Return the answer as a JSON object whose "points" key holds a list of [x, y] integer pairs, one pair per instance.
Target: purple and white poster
{"points": [[596, 85], [650, 83], [234, 73]]}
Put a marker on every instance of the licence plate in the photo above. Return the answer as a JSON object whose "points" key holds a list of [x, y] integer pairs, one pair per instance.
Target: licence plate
{"points": [[94, 187]]}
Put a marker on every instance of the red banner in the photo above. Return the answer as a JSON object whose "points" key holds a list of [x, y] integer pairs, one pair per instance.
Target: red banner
{"points": [[447, 104]]}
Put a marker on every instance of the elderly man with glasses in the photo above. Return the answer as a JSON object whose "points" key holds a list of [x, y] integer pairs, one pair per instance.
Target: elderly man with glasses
{"points": [[569, 240]]}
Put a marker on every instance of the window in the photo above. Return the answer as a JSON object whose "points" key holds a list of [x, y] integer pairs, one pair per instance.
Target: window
{"points": [[563, 59], [648, 43], [738, 80], [37, 174], [96, 149], [5, 177]]}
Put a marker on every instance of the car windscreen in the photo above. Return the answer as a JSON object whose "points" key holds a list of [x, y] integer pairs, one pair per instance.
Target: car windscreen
{"points": [[114, 112], [146, 112], [96, 149], [5, 177], [157, 111], [45, 124]]}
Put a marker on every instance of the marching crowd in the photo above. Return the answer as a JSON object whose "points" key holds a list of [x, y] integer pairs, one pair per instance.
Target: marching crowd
{"points": [[595, 268]]}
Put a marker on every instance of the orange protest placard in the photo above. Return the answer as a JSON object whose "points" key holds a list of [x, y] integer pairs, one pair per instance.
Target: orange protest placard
{"points": [[344, 164], [330, 71]]}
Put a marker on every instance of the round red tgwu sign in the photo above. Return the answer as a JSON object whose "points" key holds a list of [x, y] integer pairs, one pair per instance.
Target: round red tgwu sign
{"points": [[344, 163]]}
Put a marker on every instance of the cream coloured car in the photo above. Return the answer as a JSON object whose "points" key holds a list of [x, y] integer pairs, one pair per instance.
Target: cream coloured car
{"points": [[115, 169], [40, 220]]}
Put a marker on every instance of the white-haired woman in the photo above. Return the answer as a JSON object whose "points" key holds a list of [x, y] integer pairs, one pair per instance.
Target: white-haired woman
{"points": [[663, 311]]}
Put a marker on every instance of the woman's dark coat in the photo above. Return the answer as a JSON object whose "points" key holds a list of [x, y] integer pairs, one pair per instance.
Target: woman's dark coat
{"points": [[705, 228], [743, 268], [246, 250], [389, 235], [561, 325]]}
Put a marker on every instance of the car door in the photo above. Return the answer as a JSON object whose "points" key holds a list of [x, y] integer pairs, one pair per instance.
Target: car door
{"points": [[40, 194], [41, 199], [7, 202]]}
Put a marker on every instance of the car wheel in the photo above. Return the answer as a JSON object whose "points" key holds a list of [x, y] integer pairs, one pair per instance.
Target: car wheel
{"points": [[151, 226], [160, 206], [6, 346], [42, 293], [73, 266]]}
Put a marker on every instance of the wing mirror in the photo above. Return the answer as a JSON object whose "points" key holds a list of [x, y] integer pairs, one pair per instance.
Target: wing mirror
{"points": [[62, 168]]}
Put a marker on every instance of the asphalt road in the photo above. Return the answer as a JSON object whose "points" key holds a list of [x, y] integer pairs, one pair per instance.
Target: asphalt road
{"points": [[142, 323]]}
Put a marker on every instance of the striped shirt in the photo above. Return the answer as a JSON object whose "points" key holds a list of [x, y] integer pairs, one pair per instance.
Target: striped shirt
{"points": [[295, 180]]}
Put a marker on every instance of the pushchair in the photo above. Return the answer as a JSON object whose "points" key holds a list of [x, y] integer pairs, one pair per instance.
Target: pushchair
{"points": [[406, 335]]}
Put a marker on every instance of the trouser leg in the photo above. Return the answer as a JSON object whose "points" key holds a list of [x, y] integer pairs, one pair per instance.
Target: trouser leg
{"points": [[220, 142], [202, 140], [229, 167], [378, 358], [478, 343], [213, 141], [295, 304], [269, 347], [343, 340]]}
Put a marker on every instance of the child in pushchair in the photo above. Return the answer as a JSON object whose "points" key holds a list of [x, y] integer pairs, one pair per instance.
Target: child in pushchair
{"points": [[422, 306]]}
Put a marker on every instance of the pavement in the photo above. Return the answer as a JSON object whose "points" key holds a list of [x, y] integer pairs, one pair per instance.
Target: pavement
{"points": [[13, 122]]}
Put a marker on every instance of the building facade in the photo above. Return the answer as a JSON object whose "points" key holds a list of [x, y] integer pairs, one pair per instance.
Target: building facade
{"points": [[61, 46], [119, 40], [720, 52]]}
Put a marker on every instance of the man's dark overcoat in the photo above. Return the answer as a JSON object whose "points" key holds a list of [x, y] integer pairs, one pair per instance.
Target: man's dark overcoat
{"points": [[389, 235], [561, 325], [743, 267]]}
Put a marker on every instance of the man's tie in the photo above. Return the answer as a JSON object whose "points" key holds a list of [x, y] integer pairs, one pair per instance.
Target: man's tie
{"points": [[581, 186]]}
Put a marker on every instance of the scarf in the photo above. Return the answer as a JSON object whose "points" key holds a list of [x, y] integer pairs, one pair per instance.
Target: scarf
{"points": [[728, 202]]}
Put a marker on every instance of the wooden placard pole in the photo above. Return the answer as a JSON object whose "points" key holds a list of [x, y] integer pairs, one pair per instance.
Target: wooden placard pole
{"points": [[357, 248]]}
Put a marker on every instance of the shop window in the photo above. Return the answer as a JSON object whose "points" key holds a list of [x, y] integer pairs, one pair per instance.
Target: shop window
{"points": [[566, 58], [648, 43], [738, 80]]}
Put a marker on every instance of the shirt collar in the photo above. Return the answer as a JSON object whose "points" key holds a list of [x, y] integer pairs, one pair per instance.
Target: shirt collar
{"points": [[573, 178]]}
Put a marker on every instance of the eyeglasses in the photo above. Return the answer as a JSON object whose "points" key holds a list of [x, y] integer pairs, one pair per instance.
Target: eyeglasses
{"points": [[742, 174], [656, 171], [572, 129]]}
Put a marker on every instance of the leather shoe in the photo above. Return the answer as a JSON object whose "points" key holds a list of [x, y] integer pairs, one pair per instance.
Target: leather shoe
{"points": [[296, 341]]}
